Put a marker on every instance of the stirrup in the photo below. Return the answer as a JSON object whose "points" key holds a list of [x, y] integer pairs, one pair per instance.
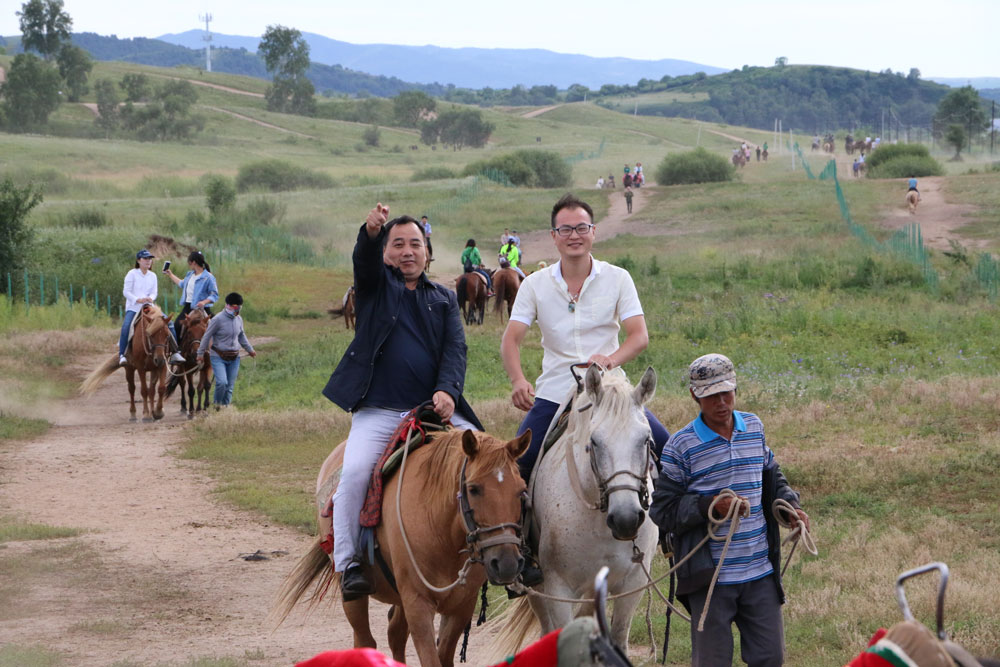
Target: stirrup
{"points": [[177, 358]]}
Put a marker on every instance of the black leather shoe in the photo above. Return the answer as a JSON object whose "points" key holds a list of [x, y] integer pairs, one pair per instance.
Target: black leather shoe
{"points": [[355, 584], [531, 574]]}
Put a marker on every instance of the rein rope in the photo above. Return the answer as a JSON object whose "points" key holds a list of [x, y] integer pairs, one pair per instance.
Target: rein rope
{"points": [[474, 531], [197, 367]]}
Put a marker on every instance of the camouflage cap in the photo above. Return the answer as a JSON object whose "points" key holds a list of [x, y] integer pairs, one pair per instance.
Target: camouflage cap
{"points": [[711, 374]]}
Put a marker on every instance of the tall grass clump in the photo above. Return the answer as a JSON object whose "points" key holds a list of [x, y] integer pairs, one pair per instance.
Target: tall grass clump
{"points": [[697, 166], [278, 176], [433, 174], [527, 168], [902, 161]]}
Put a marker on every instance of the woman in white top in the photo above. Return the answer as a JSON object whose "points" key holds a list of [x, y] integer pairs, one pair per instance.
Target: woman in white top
{"points": [[140, 288]]}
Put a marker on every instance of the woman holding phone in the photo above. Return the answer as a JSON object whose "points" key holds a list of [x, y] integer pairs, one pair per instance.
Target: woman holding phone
{"points": [[198, 290]]}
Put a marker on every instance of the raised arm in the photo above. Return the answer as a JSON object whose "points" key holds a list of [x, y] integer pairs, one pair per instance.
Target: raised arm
{"points": [[368, 249]]}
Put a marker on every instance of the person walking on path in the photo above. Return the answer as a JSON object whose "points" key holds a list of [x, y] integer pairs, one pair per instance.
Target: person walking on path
{"points": [[220, 346], [198, 290], [408, 348], [725, 449], [628, 199], [427, 233]]}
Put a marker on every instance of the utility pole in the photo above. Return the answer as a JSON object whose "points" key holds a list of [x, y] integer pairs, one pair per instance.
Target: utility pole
{"points": [[207, 18], [993, 126]]}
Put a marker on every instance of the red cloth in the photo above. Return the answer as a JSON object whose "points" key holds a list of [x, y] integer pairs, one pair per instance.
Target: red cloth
{"points": [[543, 653], [359, 657], [869, 659]]}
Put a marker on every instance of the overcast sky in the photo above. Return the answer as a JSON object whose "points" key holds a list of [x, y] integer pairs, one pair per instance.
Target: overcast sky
{"points": [[943, 39]]}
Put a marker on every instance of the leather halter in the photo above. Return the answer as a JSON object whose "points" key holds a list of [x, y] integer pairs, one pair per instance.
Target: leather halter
{"points": [[475, 533], [605, 487]]}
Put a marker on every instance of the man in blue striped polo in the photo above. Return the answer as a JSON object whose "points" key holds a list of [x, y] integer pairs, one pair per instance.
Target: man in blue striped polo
{"points": [[725, 449]]}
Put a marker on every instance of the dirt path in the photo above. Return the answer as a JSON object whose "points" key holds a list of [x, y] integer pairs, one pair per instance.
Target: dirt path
{"points": [[539, 112], [157, 576], [258, 122], [939, 220], [206, 84], [538, 246]]}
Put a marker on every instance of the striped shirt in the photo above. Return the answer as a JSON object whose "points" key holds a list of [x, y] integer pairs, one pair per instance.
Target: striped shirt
{"points": [[705, 463]]}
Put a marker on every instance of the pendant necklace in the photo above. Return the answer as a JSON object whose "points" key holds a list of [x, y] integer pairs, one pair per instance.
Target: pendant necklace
{"points": [[573, 298]]}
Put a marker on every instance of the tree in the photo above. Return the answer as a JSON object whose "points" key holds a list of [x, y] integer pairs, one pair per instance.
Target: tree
{"points": [[961, 106], [30, 93], [167, 116], [457, 128], [107, 105], [74, 67], [220, 195], [577, 93], [44, 26], [955, 136], [136, 87], [410, 106], [372, 135], [15, 234], [781, 61], [914, 74], [286, 56]]}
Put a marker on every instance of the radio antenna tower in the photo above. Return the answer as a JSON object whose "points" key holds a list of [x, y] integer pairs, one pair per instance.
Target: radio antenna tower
{"points": [[207, 18]]}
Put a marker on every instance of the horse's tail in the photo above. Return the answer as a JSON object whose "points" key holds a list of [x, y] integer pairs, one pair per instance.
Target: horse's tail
{"points": [[314, 570], [94, 380], [501, 294], [517, 623], [172, 384]]}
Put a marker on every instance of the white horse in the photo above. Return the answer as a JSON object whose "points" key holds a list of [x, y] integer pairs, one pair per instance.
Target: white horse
{"points": [[590, 493]]}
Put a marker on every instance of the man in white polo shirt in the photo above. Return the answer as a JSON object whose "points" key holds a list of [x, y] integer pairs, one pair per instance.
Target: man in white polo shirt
{"points": [[578, 303]]}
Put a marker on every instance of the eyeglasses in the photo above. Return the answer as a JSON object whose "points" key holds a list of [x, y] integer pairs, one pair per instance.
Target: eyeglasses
{"points": [[581, 229]]}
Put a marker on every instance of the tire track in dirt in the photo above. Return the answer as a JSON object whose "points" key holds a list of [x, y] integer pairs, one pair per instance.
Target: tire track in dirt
{"points": [[161, 566]]}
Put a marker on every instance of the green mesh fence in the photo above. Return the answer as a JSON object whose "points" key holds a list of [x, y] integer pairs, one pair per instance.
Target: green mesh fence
{"points": [[907, 243], [592, 155]]}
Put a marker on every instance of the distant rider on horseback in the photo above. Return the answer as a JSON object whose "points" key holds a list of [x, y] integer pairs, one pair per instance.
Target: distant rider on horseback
{"points": [[408, 348], [912, 185]]}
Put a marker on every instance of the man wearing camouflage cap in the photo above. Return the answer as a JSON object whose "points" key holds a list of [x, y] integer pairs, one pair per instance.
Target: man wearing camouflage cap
{"points": [[725, 449]]}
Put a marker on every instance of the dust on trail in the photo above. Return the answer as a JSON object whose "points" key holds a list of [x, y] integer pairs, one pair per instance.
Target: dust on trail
{"points": [[157, 576], [537, 245]]}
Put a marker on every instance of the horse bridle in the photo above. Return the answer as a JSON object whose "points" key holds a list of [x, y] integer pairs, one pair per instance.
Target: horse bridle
{"points": [[605, 487], [475, 533], [146, 342]]}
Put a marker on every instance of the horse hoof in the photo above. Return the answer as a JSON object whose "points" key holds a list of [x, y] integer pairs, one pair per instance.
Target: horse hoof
{"points": [[133, 419], [147, 420], [190, 416]]}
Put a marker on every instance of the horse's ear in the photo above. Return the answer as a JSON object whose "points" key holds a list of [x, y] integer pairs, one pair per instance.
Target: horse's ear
{"points": [[646, 387], [470, 443], [592, 382], [519, 445]]}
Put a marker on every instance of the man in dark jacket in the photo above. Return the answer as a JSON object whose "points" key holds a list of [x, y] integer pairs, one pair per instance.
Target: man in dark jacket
{"points": [[725, 449], [408, 348]]}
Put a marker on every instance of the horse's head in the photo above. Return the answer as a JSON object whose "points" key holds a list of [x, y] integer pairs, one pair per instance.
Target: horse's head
{"points": [[156, 332], [619, 446], [491, 497], [195, 325]]}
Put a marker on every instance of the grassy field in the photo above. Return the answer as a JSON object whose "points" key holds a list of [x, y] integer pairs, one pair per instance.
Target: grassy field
{"points": [[879, 393]]}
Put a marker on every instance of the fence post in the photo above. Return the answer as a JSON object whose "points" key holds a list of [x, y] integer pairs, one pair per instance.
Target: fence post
{"points": [[83, 296], [56, 301], [109, 305], [10, 289], [71, 295], [27, 292], [97, 301], [41, 289]]}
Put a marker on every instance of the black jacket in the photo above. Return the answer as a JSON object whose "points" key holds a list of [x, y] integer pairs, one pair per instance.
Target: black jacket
{"points": [[683, 516], [379, 290]]}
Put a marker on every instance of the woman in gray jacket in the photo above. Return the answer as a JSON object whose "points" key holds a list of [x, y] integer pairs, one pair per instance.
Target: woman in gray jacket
{"points": [[221, 347]]}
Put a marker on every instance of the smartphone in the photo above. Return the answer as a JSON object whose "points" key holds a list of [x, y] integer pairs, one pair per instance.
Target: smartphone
{"points": [[166, 266]]}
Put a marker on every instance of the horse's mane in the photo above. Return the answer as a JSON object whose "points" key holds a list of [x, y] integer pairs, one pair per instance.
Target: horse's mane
{"points": [[154, 317], [445, 462], [615, 406]]}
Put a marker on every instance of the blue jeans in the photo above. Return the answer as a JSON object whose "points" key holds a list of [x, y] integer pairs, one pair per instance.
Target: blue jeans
{"points": [[123, 338], [539, 418], [225, 378]]}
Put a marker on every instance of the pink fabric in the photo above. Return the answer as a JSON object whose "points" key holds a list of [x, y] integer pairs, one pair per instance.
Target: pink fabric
{"points": [[359, 657]]}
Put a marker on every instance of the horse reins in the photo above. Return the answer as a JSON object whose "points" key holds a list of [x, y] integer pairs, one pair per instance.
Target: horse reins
{"points": [[474, 532]]}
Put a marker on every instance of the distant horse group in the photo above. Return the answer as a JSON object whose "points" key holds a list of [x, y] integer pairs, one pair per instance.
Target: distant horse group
{"points": [[473, 295]]}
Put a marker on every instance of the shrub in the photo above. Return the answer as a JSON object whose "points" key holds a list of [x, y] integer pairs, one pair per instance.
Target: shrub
{"points": [[892, 151], [264, 211], [529, 168], [88, 218], [278, 176], [697, 166], [433, 174], [220, 194], [372, 135], [16, 236], [905, 166]]}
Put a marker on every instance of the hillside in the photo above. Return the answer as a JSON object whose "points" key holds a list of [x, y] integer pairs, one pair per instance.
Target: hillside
{"points": [[468, 67], [809, 98]]}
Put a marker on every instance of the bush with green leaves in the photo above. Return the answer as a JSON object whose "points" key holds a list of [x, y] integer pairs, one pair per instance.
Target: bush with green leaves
{"points": [[887, 152], [220, 194], [697, 166], [279, 176], [372, 135], [433, 174], [906, 166], [16, 235], [527, 168]]}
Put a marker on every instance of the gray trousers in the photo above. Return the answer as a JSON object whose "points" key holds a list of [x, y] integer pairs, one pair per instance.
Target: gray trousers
{"points": [[755, 609]]}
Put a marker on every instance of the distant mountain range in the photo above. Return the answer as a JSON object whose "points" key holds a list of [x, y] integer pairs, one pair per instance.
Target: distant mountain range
{"points": [[979, 83], [466, 67]]}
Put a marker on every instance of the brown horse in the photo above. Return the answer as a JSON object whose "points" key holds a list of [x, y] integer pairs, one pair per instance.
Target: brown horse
{"points": [[195, 325], [348, 306], [471, 290], [506, 282], [147, 354], [444, 537], [912, 198]]}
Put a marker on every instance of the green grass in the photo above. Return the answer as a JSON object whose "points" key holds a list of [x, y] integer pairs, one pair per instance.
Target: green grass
{"points": [[13, 427], [15, 655], [14, 530]]}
